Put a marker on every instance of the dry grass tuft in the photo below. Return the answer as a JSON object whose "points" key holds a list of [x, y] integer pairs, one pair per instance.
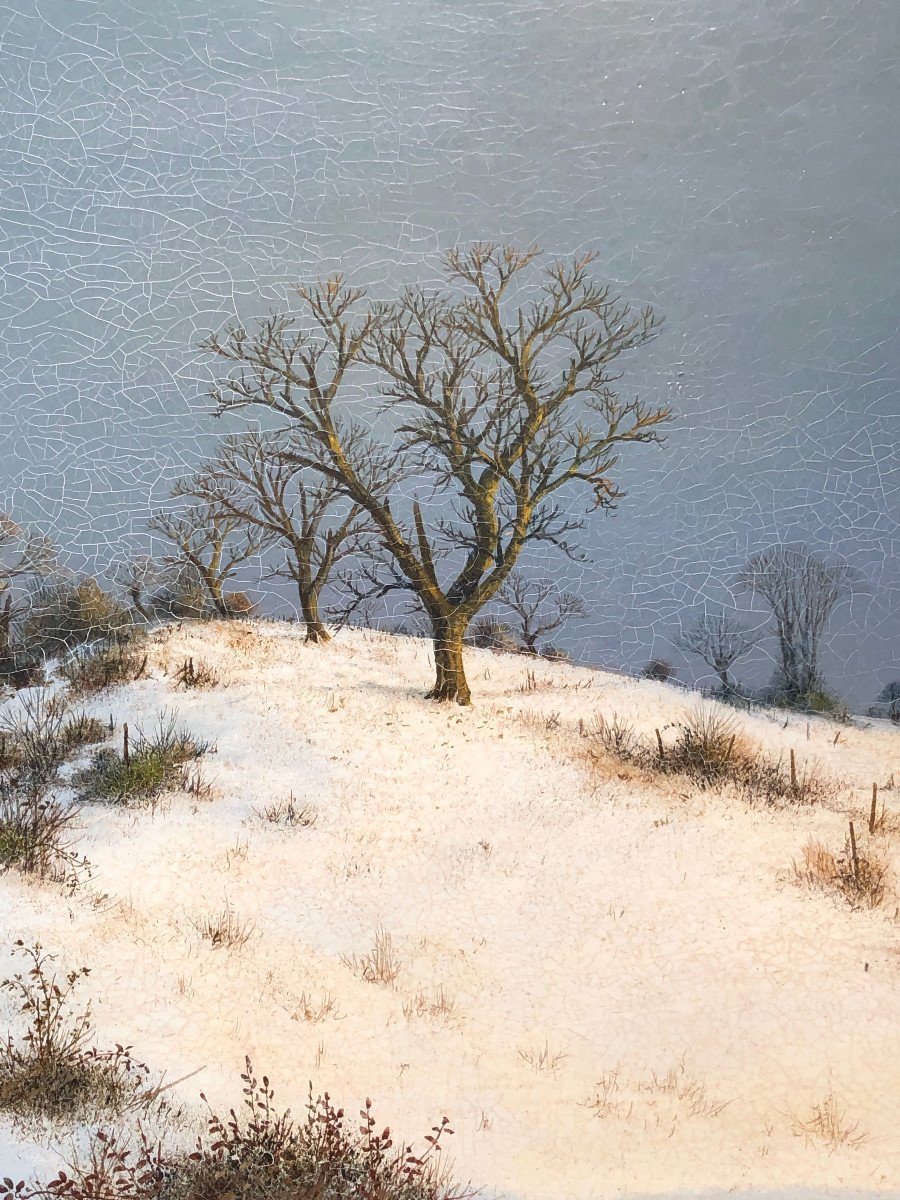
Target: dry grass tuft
{"points": [[542, 1058], [618, 1098], [288, 812], [827, 1123], [862, 879], [196, 675], [225, 928], [380, 965], [440, 1007], [314, 1011]]}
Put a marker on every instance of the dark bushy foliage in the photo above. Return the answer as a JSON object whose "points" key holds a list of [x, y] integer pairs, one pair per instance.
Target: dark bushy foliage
{"points": [[63, 615], [659, 670], [489, 633]]}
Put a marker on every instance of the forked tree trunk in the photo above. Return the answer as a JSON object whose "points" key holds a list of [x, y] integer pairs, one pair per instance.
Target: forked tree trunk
{"points": [[450, 676], [315, 630]]}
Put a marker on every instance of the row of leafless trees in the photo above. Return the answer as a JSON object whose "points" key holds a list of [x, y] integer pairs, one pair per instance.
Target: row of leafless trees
{"points": [[801, 591], [419, 447]]}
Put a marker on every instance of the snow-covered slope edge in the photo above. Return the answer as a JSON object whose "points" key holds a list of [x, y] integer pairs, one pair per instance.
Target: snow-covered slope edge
{"points": [[594, 936]]}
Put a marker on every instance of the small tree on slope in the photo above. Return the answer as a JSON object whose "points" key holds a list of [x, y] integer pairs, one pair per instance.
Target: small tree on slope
{"points": [[208, 542], [254, 481], [499, 405], [720, 641]]}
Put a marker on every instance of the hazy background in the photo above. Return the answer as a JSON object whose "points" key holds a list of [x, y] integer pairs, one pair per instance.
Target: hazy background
{"points": [[734, 162]]}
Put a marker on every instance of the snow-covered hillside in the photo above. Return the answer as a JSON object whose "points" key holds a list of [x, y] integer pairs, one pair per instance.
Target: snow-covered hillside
{"points": [[608, 982]]}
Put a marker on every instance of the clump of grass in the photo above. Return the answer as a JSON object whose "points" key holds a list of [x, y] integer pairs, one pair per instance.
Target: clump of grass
{"points": [[50, 1071], [827, 1123], [142, 772], [531, 684], [196, 675], [287, 812], [225, 928], [96, 669], [616, 1097], [36, 726], [709, 751], [862, 879], [81, 730], [380, 965], [616, 735], [260, 1153], [439, 1007], [542, 1058], [36, 835], [314, 1011]]}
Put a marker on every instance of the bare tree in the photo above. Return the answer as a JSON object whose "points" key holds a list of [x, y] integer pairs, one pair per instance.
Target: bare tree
{"points": [[501, 406], [802, 591], [255, 480], [539, 606], [140, 577], [208, 541], [719, 641], [25, 557]]}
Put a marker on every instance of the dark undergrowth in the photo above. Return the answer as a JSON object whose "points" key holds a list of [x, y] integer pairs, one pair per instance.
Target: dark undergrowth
{"points": [[260, 1153], [709, 750]]}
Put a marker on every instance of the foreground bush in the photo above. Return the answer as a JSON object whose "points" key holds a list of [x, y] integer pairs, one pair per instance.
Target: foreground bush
{"points": [[260, 1154], [51, 1072]]}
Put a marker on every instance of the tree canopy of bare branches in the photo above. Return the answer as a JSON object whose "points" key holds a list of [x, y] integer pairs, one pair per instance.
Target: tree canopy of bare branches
{"points": [[802, 590], [720, 641], [499, 403], [540, 607], [209, 541], [257, 481]]}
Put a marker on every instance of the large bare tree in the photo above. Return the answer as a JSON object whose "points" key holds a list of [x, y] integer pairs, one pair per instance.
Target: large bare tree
{"points": [[540, 607], [256, 480], [209, 541], [500, 405], [720, 641], [802, 590]]}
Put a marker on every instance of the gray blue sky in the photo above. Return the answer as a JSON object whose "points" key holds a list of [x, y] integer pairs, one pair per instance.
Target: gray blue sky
{"points": [[735, 164]]}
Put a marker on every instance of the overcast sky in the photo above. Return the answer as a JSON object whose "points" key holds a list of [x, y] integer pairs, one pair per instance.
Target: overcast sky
{"points": [[734, 162]]}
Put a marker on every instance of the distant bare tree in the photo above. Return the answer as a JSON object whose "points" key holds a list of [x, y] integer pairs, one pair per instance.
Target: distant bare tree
{"points": [[719, 641], [890, 695], [802, 590], [25, 557], [140, 577], [208, 541], [539, 606], [499, 404], [255, 480]]}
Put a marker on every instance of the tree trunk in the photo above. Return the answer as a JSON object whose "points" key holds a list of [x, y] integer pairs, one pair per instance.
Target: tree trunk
{"points": [[726, 684], [450, 676], [315, 630]]}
